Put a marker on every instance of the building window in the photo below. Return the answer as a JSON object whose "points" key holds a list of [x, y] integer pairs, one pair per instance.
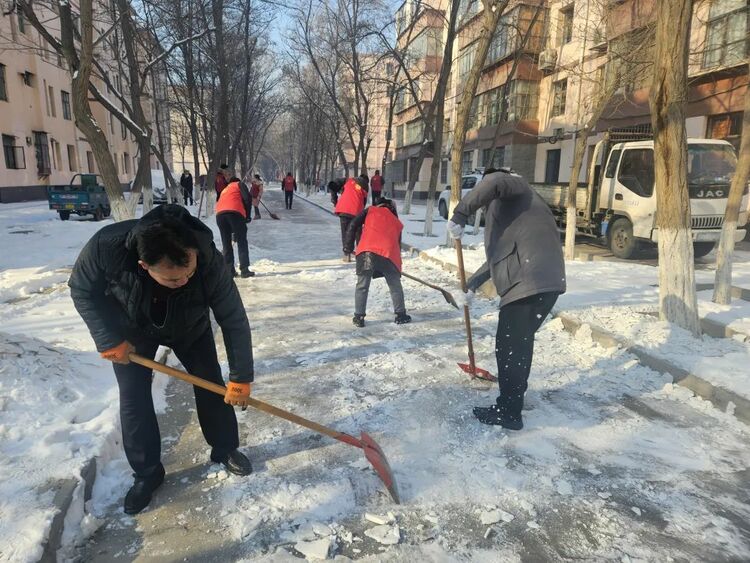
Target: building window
{"points": [[14, 155], [466, 61], [41, 148], [126, 163], [559, 93], [123, 131], [52, 106], [467, 162], [566, 24], [552, 167], [116, 163], [727, 40], [414, 132], [28, 78], [3, 86], [21, 21], [444, 172], [474, 113], [400, 136], [523, 98], [56, 161], [72, 160], [499, 157], [111, 123], [90, 162], [65, 102], [727, 126]]}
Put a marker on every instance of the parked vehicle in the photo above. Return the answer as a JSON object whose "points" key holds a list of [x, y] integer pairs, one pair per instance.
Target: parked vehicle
{"points": [[83, 196], [467, 183], [158, 187], [620, 205]]}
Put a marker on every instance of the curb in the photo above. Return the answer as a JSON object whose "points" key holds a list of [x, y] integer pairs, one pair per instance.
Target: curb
{"points": [[66, 492], [718, 396]]}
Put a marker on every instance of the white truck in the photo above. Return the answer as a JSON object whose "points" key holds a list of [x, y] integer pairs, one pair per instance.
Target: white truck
{"points": [[619, 205]]}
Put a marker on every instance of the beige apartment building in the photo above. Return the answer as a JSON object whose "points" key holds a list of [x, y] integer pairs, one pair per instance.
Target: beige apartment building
{"points": [[549, 82], [41, 144]]}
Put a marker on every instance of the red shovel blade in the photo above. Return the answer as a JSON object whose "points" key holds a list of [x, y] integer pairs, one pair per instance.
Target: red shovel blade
{"points": [[377, 459], [477, 373]]}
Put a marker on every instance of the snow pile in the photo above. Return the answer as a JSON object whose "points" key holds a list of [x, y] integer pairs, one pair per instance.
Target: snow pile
{"points": [[56, 412]]}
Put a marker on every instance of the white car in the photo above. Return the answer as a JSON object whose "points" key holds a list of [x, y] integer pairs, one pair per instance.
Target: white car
{"points": [[467, 184]]}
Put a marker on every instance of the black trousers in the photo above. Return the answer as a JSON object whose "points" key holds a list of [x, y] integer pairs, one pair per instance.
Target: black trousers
{"points": [[346, 220], [288, 197], [187, 195], [232, 223], [514, 347], [375, 197], [140, 429]]}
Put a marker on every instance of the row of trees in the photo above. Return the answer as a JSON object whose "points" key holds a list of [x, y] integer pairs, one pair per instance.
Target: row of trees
{"points": [[205, 61]]}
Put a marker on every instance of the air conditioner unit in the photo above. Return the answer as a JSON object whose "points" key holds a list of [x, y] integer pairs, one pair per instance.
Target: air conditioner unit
{"points": [[548, 60]]}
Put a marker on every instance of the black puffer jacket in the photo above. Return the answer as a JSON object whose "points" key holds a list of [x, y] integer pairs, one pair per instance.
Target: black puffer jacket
{"points": [[113, 294]]}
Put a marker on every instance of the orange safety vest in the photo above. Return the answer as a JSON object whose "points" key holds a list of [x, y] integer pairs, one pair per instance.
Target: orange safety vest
{"points": [[352, 199], [288, 184], [381, 234], [231, 200], [376, 183]]}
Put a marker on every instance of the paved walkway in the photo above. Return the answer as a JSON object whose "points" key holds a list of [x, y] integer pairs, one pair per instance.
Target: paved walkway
{"points": [[611, 465]]}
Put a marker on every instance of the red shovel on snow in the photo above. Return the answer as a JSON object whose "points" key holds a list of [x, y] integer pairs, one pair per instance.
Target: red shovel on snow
{"points": [[470, 368], [373, 453]]}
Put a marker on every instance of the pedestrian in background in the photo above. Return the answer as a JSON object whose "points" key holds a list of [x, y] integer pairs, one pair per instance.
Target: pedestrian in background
{"points": [[186, 181], [222, 180], [289, 185], [233, 213], [256, 192], [378, 230], [525, 262], [142, 283], [350, 203], [376, 185]]}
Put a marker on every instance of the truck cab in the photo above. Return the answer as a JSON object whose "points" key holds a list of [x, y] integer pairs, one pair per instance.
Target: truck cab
{"points": [[626, 202]]}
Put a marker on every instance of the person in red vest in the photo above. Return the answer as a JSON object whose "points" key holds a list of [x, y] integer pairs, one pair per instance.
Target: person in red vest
{"points": [[222, 180], [256, 192], [351, 202], [376, 185], [232, 215], [378, 255], [289, 185]]}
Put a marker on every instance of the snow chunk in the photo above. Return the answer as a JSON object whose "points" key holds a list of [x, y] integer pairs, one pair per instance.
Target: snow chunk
{"points": [[378, 519], [533, 525], [564, 488], [636, 510], [385, 534], [318, 549]]}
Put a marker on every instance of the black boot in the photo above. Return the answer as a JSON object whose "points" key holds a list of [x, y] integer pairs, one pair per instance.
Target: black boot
{"points": [[246, 273], [496, 416], [358, 321], [402, 319], [140, 493], [236, 462]]}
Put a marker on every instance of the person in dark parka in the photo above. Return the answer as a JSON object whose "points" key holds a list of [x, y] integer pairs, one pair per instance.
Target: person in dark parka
{"points": [[186, 181], [525, 262], [141, 283]]}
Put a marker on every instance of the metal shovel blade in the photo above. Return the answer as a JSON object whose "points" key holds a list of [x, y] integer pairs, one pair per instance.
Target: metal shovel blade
{"points": [[477, 372], [449, 298], [379, 463]]}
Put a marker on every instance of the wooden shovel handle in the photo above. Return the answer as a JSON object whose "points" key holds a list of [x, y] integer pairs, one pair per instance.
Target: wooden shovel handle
{"points": [[423, 282], [467, 316], [255, 403]]}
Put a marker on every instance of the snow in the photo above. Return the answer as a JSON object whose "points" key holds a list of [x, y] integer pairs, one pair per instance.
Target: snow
{"points": [[614, 461]]}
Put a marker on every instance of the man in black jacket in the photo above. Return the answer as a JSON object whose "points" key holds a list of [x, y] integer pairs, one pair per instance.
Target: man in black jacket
{"points": [[141, 283]]}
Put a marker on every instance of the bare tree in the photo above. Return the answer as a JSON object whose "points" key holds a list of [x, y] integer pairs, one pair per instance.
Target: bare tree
{"points": [[723, 280], [668, 99], [489, 19]]}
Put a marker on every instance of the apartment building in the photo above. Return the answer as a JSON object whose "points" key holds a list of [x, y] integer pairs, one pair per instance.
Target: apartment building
{"points": [[547, 63], [41, 144]]}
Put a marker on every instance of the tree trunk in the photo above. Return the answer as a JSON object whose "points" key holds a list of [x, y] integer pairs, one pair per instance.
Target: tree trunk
{"points": [[723, 281], [490, 18], [668, 98], [571, 216]]}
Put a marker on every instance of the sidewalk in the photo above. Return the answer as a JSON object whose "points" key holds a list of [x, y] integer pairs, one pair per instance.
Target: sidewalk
{"points": [[623, 312]]}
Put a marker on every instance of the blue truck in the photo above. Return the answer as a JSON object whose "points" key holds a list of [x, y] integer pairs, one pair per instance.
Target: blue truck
{"points": [[83, 196]]}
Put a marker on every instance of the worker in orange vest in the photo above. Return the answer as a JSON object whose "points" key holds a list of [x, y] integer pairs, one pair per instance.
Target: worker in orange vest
{"points": [[376, 186], [233, 213], [378, 255], [289, 185], [256, 192], [350, 203]]}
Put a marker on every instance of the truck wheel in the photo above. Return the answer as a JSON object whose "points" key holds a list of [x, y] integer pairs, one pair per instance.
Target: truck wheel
{"points": [[622, 243], [107, 212], [443, 209], [64, 215], [98, 214], [701, 249]]}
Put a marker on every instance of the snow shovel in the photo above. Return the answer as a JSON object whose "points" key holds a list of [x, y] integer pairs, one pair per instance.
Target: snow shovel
{"points": [[273, 215], [448, 297], [470, 368], [373, 453]]}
